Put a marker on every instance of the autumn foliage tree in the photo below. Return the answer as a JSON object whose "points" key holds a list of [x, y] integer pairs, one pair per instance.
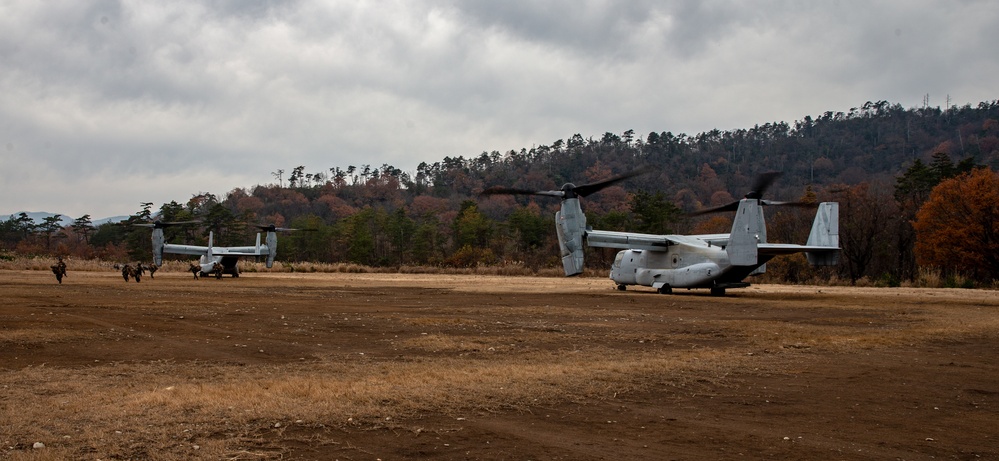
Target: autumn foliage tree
{"points": [[383, 216], [866, 229], [957, 229]]}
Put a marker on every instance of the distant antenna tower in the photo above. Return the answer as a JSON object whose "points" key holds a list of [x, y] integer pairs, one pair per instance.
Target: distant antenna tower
{"points": [[948, 103], [926, 101]]}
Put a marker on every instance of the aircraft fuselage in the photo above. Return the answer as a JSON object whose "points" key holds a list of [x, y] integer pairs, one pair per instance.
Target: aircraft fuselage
{"points": [[692, 263]]}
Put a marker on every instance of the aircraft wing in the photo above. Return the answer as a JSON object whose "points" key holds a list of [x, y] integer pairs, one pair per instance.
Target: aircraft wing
{"points": [[257, 250], [240, 251], [629, 240], [216, 251], [184, 249], [714, 239]]}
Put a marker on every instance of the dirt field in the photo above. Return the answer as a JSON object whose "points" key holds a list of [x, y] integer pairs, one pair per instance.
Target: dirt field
{"points": [[384, 366]]}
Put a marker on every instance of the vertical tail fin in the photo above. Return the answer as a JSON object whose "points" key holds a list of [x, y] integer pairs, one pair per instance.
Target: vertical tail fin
{"points": [[570, 225], [825, 232], [207, 257], [257, 249], [747, 231]]}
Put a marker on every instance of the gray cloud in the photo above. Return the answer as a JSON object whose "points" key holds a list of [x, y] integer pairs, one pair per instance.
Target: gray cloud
{"points": [[166, 100]]}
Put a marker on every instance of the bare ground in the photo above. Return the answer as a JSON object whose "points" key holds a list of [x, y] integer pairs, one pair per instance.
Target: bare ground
{"points": [[389, 366]]}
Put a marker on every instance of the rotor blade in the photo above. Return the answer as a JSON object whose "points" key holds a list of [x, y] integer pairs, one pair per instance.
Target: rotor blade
{"points": [[587, 189], [568, 190], [727, 207], [178, 223], [763, 183], [163, 224], [795, 204], [500, 190], [273, 228], [735, 206], [760, 186]]}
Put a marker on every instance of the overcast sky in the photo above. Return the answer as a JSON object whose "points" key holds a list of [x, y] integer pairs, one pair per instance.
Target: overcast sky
{"points": [[106, 104]]}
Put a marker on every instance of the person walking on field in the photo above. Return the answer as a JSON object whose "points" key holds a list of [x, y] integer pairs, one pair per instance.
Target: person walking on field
{"points": [[59, 269]]}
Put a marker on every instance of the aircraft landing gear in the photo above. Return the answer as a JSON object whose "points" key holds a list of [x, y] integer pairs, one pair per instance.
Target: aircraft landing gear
{"points": [[665, 290], [622, 287], [716, 291]]}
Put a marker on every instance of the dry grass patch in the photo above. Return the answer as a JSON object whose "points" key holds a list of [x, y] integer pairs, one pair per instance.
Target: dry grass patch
{"points": [[27, 337], [885, 328], [447, 343], [439, 321], [396, 367], [165, 410]]}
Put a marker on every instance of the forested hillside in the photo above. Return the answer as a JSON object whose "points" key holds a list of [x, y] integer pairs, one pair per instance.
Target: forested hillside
{"points": [[879, 160]]}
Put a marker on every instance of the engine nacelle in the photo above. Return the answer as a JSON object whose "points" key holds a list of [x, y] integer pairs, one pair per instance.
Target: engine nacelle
{"points": [[158, 242], [570, 225], [271, 248]]}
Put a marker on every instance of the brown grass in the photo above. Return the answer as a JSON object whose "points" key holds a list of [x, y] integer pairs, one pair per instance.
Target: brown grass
{"points": [[546, 356], [171, 410], [44, 263], [927, 277]]}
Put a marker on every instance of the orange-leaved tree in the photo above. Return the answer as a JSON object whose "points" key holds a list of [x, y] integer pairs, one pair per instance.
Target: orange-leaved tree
{"points": [[957, 229]]}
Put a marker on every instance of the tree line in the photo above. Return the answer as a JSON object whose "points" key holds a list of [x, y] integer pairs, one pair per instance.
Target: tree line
{"points": [[880, 161]]}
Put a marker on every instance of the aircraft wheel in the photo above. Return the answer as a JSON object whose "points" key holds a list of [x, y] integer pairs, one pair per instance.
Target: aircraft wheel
{"points": [[622, 287], [717, 292], [665, 290]]}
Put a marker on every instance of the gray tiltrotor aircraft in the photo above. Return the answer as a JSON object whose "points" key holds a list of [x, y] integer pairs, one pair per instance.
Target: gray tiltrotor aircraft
{"points": [[211, 255], [665, 262]]}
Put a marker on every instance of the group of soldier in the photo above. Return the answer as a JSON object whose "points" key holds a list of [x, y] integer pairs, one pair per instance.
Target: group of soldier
{"points": [[197, 270], [137, 270]]}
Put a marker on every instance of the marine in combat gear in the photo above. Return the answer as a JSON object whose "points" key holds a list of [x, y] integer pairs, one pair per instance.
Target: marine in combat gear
{"points": [[127, 272], [59, 269], [138, 271]]}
